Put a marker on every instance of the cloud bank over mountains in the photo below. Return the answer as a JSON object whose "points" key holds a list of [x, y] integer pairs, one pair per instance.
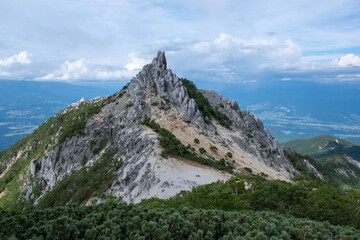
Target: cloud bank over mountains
{"points": [[227, 41], [225, 58]]}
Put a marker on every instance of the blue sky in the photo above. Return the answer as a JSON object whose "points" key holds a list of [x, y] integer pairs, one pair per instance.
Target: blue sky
{"points": [[244, 42]]}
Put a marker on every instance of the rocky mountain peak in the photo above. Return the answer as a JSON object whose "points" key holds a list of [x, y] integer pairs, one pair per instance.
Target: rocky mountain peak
{"points": [[195, 137], [157, 80]]}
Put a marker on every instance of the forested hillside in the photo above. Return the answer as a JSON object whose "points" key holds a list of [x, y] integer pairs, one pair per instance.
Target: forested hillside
{"points": [[113, 220]]}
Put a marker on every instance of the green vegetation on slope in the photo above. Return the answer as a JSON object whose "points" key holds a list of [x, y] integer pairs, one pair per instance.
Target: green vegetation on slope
{"points": [[68, 124], [83, 184], [315, 200], [339, 172], [173, 146], [331, 160], [203, 104], [112, 220], [323, 146], [297, 161]]}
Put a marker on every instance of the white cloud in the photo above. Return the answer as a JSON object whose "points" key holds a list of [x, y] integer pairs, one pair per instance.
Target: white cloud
{"points": [[254, 53], [349, 60], [83, 69], [69, 71], [103, 32], [22, 58], [136, 63], [224, 58], [229, 58], [16, 67]]}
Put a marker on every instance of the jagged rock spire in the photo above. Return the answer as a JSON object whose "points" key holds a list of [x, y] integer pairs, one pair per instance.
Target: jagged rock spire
{"points": [[166, 84], [160, 60]]}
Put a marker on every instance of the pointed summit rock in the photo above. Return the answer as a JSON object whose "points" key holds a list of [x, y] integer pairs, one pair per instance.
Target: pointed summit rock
{"points": [[156, 78], [160, 61]]}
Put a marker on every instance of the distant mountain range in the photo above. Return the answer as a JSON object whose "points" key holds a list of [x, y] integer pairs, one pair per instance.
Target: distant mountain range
{"points": [[338, 160], [323, 146]]}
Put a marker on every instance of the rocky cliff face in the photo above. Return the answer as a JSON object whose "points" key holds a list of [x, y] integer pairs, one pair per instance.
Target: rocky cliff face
{"points": [[110, 131]]}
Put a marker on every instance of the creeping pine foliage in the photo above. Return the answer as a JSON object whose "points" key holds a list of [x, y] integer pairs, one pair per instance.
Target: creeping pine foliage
{"points": [[114, 220], [313, 199]]}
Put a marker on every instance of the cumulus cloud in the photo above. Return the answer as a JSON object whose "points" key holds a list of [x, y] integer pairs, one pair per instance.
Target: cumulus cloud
{"points": [[349, 60], [69, 70], [22, 58], [16, 66], [224, 58], [229, 58], [135, 63], [254, 53], [83, 69]]}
